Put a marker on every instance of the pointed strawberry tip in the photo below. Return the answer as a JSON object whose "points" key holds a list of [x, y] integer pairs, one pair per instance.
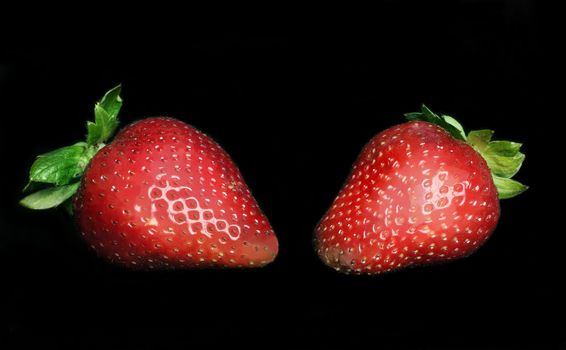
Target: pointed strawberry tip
{"points": [[268, 251]]}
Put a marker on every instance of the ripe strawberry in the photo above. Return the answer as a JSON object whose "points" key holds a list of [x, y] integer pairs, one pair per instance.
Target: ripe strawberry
{"points": [[420, 192], [162, 195]]}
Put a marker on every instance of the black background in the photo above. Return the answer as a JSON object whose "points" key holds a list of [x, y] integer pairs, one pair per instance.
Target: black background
{"points": [[293, 103]]}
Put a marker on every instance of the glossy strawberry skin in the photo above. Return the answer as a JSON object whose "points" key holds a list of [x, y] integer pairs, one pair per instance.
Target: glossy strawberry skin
{"points": [[163, 195], [416, 195]]}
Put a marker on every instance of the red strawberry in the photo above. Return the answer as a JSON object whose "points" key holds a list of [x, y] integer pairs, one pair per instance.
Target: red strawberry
{"points": [[420, 192], [161, 195]]}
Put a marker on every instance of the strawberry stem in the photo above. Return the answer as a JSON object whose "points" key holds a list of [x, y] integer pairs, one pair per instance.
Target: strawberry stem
{"points": [[503, 158], [55, 176]]}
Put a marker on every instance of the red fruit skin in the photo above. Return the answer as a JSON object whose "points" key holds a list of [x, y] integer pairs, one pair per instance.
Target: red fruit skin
{"points": [[415, 196], [163, 195]]}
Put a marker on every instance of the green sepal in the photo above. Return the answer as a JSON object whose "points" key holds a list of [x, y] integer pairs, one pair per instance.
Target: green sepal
{"points": [[59, 167], [105, 117], [49, 197], [480, 138], [34, 187], [111, 102], [508, 188], [504, 148], [68, 206], [445, 121], [54, 176], [503, 158], [504, 166]]}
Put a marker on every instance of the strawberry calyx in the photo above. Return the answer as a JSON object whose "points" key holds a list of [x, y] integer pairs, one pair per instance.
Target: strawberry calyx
{"points": [[55, 176], [503, 158]]}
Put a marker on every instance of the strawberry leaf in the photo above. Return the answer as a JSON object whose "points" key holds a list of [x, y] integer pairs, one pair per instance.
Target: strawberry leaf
{"points": [[445, 121], [502, 157], [59, 167], [63, 167], [507, 188], [49, 197], [68, 206], [504, 148], [111, 102], [479, 138], [32, 186], [504, 166], [105, 117], [457, 127]]}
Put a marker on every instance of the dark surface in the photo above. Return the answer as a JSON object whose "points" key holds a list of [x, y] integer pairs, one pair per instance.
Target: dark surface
{"points": [[293, 107]]}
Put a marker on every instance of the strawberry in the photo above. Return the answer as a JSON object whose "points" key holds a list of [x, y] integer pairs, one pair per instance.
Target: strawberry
{"points": [[162, 195], [422, 192]]}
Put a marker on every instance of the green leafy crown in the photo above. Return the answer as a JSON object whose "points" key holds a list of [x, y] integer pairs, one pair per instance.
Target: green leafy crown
{"points": [[503, 158], [55, 176]]}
